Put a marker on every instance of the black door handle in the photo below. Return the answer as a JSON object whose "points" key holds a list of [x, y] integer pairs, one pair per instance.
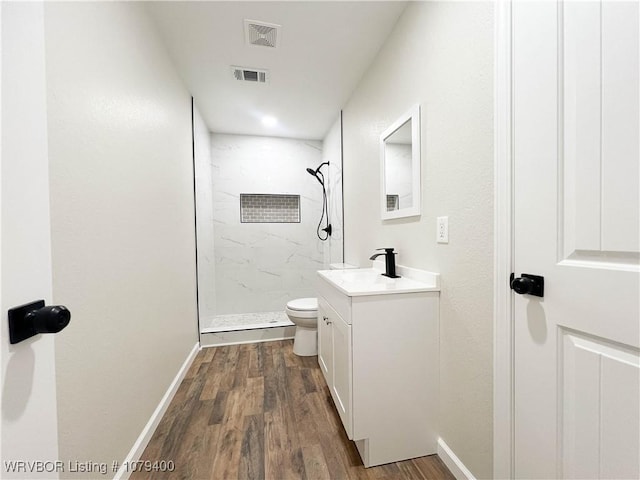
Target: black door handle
{"points": [[528, 284], [28, 320]]}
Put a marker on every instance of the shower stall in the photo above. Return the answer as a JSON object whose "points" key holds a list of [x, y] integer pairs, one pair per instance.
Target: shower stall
{"points": [[262, 224]]}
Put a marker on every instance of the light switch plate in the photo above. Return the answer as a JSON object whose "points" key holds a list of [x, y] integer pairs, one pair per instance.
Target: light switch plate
{"points": [[442, 234]]}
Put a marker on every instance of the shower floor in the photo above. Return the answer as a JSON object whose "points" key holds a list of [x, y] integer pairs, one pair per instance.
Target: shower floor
{"points": [[245, 321]]}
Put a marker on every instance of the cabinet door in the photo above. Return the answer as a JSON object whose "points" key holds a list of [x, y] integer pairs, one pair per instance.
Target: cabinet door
{"points": [[342, 368], [325, 347]]}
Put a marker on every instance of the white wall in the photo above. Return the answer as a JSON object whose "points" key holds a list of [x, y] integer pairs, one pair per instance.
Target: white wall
{"points": [[204, 217], [29, 420], [332, 153], [261, 266], [440, 55], [122, 222]]}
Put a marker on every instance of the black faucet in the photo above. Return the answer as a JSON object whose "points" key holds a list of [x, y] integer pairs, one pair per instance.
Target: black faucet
{"points": [[389, 262]]}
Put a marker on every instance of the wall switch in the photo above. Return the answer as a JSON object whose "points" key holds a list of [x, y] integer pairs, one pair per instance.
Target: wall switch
{"points": [[443, 230]]}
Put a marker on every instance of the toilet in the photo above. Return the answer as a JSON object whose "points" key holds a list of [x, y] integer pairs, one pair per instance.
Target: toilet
{"points": [[304, 313]]}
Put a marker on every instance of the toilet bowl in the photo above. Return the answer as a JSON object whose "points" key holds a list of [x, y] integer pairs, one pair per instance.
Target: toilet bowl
{"points": [[304, 313]]}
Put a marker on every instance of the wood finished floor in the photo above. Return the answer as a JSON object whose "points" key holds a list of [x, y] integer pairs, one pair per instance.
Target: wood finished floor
{"points": [[258, 411]]}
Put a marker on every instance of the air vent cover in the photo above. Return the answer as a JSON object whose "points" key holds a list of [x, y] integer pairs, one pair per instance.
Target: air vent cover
{"points": [[248, 74], [261, 34]]}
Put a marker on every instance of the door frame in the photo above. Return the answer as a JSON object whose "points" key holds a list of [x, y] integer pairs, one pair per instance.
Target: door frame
{"points": [[1, 316], [503, 348]]}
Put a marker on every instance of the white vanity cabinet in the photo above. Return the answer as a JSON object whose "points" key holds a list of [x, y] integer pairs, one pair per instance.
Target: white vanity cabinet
{"points": [[378, 351]]}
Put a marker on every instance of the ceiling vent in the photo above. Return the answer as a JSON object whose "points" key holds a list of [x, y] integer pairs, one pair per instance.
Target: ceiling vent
{"points": [[246, 74], [261, 34]]}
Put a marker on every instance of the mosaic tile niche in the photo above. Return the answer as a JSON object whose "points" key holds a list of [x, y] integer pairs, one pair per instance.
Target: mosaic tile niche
{"points": [[269, 208]]}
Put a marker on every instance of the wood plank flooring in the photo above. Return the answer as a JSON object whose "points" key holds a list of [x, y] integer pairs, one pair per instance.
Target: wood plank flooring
{"points": [[257, 411]]}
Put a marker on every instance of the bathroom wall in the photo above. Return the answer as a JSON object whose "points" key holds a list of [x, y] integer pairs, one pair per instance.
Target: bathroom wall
{"points": [[122, 220], [332, 153], [440, 55], [204, 217], [261, 266]]}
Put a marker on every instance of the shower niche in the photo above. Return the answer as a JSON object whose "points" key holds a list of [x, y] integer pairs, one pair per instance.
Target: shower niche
{"points": [[269, 208], [258, 218]]}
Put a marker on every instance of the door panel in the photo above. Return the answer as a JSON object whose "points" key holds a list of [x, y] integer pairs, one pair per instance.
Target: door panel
{"points": [[576, 178], [600, 398], [342, 370], [620, 126], [325, 347], [599, 131]]}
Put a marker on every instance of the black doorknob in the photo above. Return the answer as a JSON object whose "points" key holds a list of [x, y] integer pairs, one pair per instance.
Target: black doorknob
{"points": [[528, 285], [33, 318], [522, 285], [49, 319]]}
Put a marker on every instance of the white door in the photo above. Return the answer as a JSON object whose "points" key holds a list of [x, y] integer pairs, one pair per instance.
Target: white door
{"points": [[29, 414], [342, 368], [576, 173], [325, 342]]}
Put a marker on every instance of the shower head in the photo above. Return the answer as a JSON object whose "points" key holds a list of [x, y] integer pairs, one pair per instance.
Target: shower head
{"points": [[317, 173], [317, 170]]}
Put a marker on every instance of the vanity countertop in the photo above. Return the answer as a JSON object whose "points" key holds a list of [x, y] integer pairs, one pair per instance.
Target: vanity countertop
{"points": [[370, 281]]}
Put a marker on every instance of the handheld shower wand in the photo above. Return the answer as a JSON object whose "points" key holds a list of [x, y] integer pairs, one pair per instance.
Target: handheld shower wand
{"points": [[325, 210], [317, 173]]}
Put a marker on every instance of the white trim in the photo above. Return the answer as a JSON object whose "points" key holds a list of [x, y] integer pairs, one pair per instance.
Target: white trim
{"points": [[141, 443], [452, 462], [503, 246], [1, 365], [247, 336]]}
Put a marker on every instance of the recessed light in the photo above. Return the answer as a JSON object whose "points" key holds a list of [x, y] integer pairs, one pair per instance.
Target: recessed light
{"points": [[269, 121]]}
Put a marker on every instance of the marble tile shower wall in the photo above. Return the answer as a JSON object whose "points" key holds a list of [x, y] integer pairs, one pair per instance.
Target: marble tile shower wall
{"points": [[260, 266]]}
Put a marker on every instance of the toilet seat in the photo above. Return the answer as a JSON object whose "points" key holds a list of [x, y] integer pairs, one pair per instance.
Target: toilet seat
{"points": [[303, 308], [303, 304]]}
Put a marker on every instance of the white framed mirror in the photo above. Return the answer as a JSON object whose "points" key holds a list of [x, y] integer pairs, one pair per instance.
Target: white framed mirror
{"points": [[400, 167]]}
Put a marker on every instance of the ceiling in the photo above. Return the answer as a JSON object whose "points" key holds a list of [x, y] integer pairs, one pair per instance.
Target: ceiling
{"points": [[324, 49]]}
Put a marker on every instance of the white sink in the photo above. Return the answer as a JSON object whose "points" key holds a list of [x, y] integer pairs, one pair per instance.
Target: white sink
{"points": [[370, 281]]}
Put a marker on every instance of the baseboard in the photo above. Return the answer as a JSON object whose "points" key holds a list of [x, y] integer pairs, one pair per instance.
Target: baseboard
{"points": [[453, 463], [141, 443], [218, 339]]}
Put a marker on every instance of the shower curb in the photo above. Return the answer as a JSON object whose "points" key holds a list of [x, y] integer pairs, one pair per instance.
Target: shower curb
{"points": [[256, 335]]}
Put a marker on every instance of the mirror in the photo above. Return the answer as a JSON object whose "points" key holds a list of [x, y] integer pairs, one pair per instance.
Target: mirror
{"points": [[400, 161]]}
